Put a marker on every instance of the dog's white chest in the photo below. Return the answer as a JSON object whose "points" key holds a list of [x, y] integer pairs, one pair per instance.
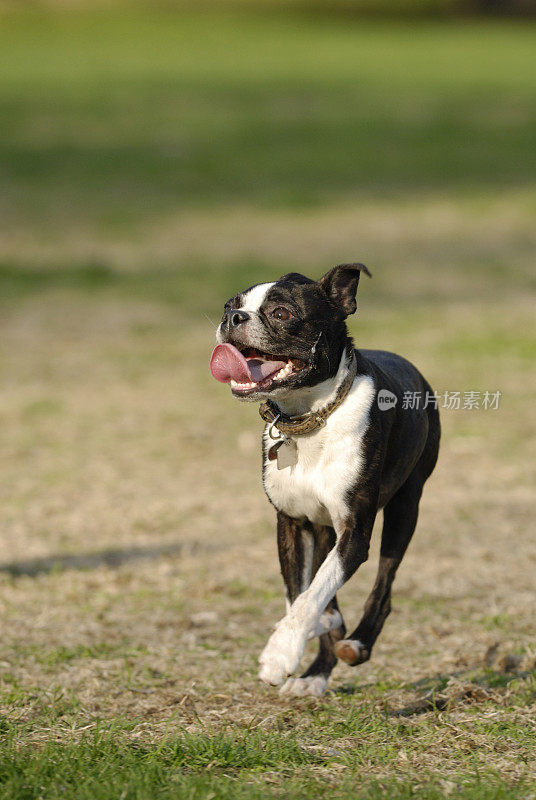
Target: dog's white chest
{"points": [[330, 460]]}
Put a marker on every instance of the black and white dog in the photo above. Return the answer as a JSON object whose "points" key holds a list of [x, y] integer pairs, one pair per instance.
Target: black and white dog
{"points": [[339, 444]]}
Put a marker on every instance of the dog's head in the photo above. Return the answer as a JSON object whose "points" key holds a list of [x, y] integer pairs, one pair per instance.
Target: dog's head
{"points": [[276, 337]]}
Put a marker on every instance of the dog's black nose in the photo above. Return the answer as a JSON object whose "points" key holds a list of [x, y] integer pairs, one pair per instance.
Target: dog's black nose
{"points": [[236, 317]]}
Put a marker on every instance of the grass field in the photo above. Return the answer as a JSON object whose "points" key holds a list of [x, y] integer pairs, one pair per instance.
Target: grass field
{"points": [[152, 164]]}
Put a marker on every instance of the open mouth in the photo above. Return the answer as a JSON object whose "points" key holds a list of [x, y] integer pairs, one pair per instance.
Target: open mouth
{"points": [[250, 370]]}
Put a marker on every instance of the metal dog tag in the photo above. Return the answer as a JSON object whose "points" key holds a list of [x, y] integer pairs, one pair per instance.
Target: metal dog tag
{"points": [[287, 454]]}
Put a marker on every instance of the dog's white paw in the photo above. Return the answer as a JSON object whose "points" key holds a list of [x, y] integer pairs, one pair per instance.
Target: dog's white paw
{"points": [[314, 685], [282, 653], [273, 671], [328, 621]]}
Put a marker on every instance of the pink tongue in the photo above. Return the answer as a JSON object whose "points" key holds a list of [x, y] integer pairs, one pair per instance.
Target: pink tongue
{"points": [[227, 363]]}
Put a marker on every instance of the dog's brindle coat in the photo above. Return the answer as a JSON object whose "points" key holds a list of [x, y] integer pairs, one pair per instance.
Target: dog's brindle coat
{"points": [[363, 459]]}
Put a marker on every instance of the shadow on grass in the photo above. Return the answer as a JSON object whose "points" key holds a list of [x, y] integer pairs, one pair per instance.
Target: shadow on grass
{"points": [[436, 693], [114, 557], [272, 145]]}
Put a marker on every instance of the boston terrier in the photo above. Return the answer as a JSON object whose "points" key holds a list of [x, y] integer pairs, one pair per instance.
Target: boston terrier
{"points": [[340, 442]]}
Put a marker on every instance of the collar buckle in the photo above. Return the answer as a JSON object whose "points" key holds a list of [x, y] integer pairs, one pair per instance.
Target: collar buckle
{"points": [[271, 429]]}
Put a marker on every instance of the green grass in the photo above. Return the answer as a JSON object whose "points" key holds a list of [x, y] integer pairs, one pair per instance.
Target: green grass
{"points": [[361, 751], [103, 765], [117, 117]]}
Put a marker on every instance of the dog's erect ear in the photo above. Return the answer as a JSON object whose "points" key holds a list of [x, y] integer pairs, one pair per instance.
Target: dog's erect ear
{"points": [[340, 285]]}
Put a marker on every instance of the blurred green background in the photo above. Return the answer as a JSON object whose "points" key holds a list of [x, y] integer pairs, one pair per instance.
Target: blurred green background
{"points": [[127, 127]]}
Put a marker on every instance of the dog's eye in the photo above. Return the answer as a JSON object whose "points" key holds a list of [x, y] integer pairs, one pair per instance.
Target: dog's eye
{"points": [[281, 313]]}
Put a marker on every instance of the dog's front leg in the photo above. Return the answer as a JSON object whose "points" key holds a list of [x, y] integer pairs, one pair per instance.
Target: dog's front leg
{"points": [[295, 545], [285, 646]]}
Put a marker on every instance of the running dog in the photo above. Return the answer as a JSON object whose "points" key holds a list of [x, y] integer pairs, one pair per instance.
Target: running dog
{"points": [[338, 445]]}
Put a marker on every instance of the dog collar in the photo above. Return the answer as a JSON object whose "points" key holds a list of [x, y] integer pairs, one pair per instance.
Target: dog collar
{"points": [[312, 420]]}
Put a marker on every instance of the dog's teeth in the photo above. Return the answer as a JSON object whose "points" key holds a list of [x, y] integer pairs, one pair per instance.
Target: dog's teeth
{"points": [[241, 386], [283, 372]]}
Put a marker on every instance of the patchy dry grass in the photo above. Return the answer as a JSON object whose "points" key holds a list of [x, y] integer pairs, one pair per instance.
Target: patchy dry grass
{"points": [[138, 568], [139, 577]]}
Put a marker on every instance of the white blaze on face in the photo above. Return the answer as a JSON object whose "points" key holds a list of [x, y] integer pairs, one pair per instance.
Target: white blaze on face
{"points": [[253, 299]]}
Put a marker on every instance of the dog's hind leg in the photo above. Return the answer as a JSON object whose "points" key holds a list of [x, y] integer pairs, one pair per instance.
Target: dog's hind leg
{"points": [[331, 629], [295, 544], [399, 522]]}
